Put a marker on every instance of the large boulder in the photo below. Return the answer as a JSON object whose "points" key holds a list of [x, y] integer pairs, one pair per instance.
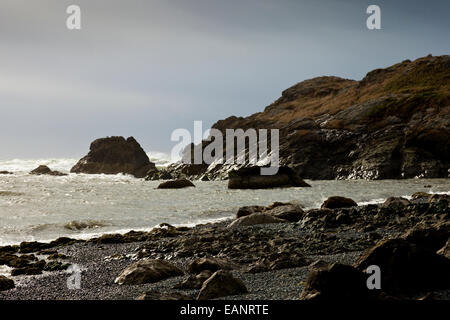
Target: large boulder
{"points": [[148, 271], [221, 284], [6, 284], [209, 263], [286, 211], [251, 178], [176, 184], [254, 219], [336, 282], [44, 170], [338, 202], [115, 155]]}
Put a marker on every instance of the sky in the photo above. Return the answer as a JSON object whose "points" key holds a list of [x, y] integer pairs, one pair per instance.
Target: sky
{"points": [[144, 68]]}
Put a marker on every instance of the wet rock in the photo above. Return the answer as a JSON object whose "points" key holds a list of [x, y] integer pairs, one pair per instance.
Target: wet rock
{"points": [[6, 284], [113, 155], [221, 284], [396, 202], [254, 219], [55, 266], [420, 195], [176, 184], [30, 269], [251, 178], [44, 170], [148, 271], [338, 202], [406, 267], [209, 263], [288, 212], [5, 172], [194, 281], [429, 237], [156, 295], [158, 174], [247, 210], [337, 282], [34, 246]]}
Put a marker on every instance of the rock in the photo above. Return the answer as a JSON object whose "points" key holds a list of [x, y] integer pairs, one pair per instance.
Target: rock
{"points": [[30, 269], [407, 268], [113, 155], [155, 295], [176, 184], [44, 170], [6, 284], [194, 281], [247, 210], [34, 246], [278, 261], [396, 202], [210, 264], [251, 178], [336, 282], [430, 237], [5, 172], [204, 178], [338, 202], [221, 284], [254, 219], [158, 174], [439, 198], [445, 250], [420, 195], [288, 212], [148, 271]]}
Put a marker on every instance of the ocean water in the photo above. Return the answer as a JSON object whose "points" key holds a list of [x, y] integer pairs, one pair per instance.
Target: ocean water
{"points": [[43, 208]]}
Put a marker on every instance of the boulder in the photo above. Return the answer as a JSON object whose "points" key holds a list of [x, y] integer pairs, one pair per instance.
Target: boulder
{"points": [[194, 281], [176, 184], [394, 202], [248, 210], [251, 178], [148, 271], [113, 155], [289, 212], [407, 268], [158, 174], [336, 282], [210, 264], [221, 284], [6, 284], [254, 219], [44, 170], [445, 250], [5, 172], [430, 237], [420, 195], [338, 202]]}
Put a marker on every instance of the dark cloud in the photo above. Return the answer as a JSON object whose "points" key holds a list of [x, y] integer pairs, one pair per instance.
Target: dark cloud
{"points": [[144, 68]]}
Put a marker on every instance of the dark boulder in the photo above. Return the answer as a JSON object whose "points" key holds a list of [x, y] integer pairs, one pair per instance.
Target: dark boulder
{"points": [[6, 284], [5, 172], [407, 268], [176, 184], [115, 155], [251, 178], [338, 202], [210, 264], [254, 219], [44, 170], [221, 284], [248, 210], [148, 271], [336, 282]]}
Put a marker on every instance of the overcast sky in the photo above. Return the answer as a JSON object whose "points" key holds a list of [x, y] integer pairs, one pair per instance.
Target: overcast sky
{"points": [[144, 68]]}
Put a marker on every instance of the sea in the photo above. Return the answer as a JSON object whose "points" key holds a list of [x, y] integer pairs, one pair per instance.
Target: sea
{"points": [[43, 208]]}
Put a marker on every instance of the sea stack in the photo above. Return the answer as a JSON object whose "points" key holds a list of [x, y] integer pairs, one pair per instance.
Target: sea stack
{"points": [[113, 155]]}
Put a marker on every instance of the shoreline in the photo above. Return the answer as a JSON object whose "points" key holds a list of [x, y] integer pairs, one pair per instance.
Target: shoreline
{"points": [[273, 260]]}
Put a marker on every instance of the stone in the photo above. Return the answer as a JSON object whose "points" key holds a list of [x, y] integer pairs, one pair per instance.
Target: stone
{"points": [[396, 202], [288, 212], [247, 210], [336, 282], [209, 263], [221, 284], [44, 170], [194, 281], [148, 271], [254, 219], [338, 202], [251, 178], [6, 284], [176, 184], [114, 155]]}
